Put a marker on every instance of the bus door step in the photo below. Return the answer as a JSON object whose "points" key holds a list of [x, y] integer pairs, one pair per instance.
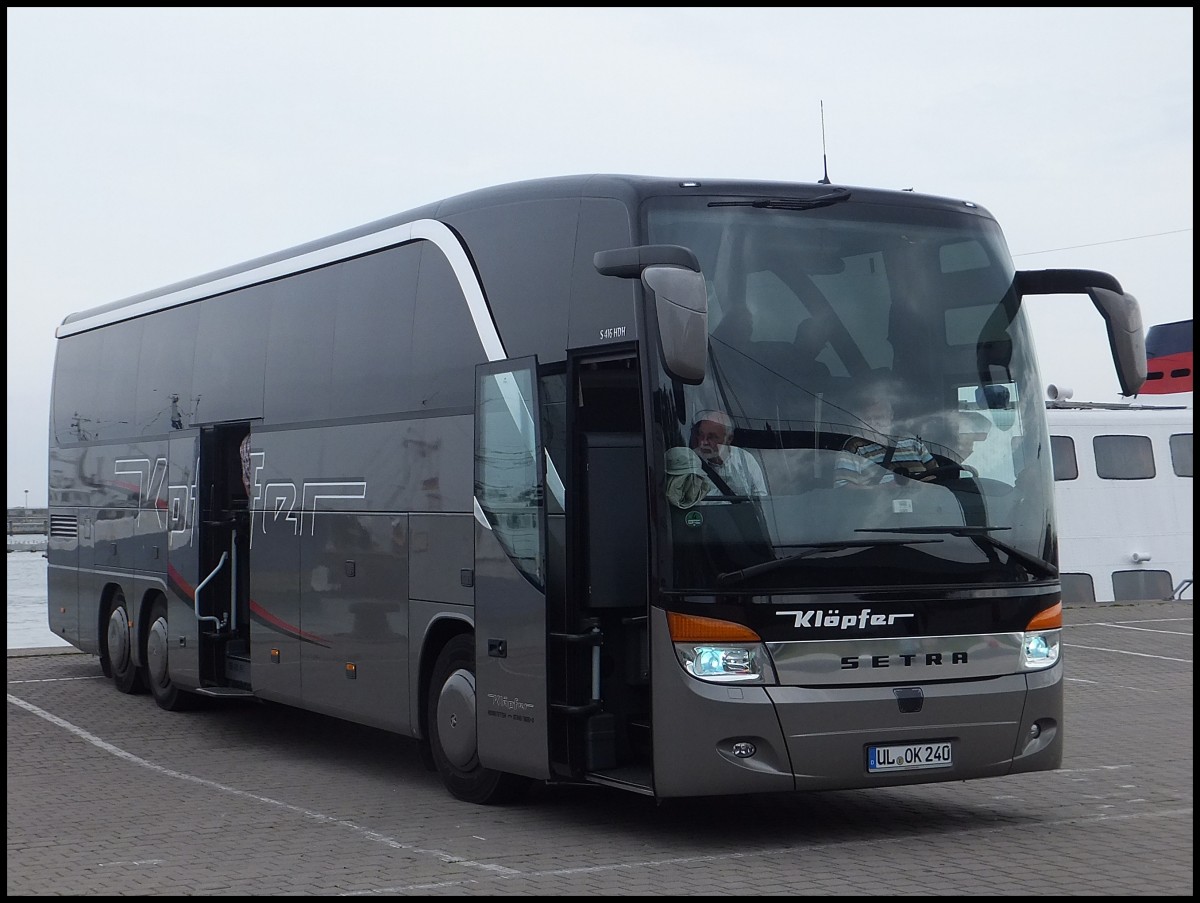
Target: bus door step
{"points": [[225, 693], [600, 738], [631, 777], [237, 670]]}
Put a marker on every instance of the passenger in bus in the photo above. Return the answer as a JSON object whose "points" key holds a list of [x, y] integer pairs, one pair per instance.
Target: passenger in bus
{"points": [[879, 456], [731, 470], [954, 435], [244, 454], [687, 484], [973, 428], [711, 467]]}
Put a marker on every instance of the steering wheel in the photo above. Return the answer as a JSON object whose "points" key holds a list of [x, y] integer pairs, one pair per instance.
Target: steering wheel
{"points": [[946, 472]]}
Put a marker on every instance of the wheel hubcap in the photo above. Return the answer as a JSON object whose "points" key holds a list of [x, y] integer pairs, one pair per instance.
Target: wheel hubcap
{"points": [[118, 639], [156, 653], [456, 719]]}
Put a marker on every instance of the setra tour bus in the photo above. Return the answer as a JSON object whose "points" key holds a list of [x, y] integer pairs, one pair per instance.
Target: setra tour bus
{"points": [[444, 475]]}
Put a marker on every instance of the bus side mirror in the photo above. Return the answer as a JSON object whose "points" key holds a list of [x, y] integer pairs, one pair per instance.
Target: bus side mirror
{"points": [[671, 274], [1124, 318], [1121, 312]]}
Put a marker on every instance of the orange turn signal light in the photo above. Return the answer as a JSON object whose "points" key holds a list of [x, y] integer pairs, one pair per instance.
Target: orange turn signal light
{"points": [[1047, 619], [693, 629]]}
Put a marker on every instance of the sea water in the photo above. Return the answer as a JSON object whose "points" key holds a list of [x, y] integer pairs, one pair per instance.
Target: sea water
{"points": [[28, 627]]}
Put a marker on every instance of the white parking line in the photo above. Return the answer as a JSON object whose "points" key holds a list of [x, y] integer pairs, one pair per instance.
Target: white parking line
{"points": [[374, 836], [1165, 658]]}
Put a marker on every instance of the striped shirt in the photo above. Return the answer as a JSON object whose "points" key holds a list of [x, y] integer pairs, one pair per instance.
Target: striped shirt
{"points": [[859, 459]]}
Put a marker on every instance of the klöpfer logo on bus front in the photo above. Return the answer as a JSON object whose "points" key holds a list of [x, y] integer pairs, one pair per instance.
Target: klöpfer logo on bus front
{"points": [[816, 618]]}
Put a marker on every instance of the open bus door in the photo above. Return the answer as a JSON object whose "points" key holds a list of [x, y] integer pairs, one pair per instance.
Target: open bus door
{"points": [[221, 593], [510, 697], [561, 660]]}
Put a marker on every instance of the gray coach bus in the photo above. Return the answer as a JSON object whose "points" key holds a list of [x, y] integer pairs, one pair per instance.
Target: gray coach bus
{"points": [[473, 510]]}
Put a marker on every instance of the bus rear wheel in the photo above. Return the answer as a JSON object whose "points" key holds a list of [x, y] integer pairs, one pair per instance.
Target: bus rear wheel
{"points": [[158, 673], [453, 740], [118, 647]]}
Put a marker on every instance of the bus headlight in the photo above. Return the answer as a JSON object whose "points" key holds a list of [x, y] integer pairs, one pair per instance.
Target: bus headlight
{"points": [[719, 651], [1043, 639], [726, 664], [1041, 649]]}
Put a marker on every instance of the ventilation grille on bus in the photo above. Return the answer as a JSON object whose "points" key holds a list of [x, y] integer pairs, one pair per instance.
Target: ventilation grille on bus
{"points": [[65, 525]]}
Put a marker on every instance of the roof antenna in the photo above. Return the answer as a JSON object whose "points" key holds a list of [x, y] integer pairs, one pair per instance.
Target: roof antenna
{"points": [[824, 157]]}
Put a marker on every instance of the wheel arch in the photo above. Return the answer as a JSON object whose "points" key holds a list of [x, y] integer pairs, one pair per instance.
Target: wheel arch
{"points": [[440, 632]]}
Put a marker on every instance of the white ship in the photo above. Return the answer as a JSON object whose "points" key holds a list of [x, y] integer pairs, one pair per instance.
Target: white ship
{"points": [[1123, 485]]}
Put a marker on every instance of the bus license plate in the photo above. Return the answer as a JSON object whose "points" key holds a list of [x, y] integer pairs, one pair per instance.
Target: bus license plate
{"points": [[910, 755]]}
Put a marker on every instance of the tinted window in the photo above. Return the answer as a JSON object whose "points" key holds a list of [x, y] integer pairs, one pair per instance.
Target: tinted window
{"points": [[506, 468], [1134, 585], [231, 342], [1124, 457], [1181, 454], [512, 244], [446, 345], [372, 346], [96, 382], [300, 346], [75, 379], [116, 383], [164, 392], [1062, 454]]}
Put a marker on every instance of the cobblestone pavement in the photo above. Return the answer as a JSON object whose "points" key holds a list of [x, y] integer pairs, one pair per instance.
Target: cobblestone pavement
{"points": [[107, 794]]}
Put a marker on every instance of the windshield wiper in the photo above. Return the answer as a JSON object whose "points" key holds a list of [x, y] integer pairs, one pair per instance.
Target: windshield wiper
{"points": [[812, 549], [822, 200], [982, 537]]}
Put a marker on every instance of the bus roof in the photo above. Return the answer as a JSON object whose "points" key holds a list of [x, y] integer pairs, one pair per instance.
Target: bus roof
{"points": [[631, 189]]}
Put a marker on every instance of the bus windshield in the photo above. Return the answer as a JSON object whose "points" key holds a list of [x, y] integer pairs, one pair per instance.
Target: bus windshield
{"points": [[871, 412]]}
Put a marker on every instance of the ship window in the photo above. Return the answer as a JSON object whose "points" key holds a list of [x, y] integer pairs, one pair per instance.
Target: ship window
{"points": [[1131, 586], [1181, 454], [1124, 457], [1077, 589], [1062, 454]]}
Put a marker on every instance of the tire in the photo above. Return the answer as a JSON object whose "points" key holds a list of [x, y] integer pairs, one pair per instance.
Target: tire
{"points": [[118, 647], [158, 673], [453, 740], [425, 751]]}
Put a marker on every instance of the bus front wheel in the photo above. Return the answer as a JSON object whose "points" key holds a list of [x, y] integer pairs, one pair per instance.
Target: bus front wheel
{"points": [[453, 739], [118, 647]]}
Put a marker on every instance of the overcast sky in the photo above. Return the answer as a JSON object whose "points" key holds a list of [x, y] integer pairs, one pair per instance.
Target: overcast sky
{"points": [[146, 146]]}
